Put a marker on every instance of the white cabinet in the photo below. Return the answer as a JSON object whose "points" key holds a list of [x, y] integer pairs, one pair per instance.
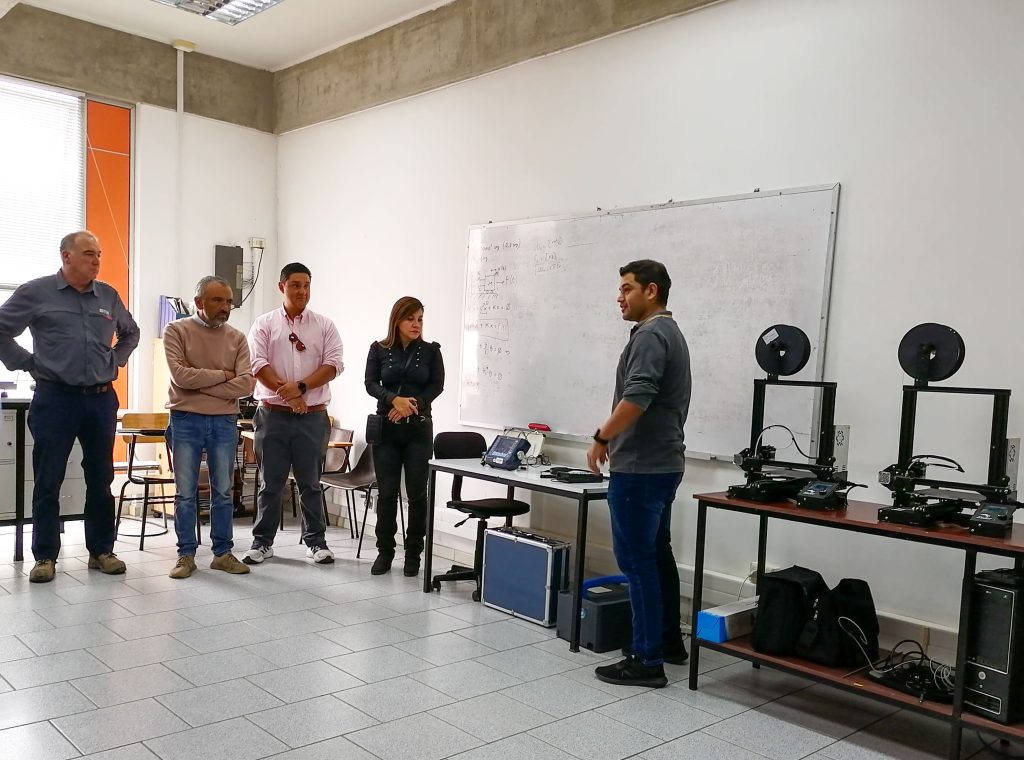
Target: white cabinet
{"points": [[72, 493]]}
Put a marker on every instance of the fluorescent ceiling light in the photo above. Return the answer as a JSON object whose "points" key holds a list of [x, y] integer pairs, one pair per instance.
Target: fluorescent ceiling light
{"points": [[228, 11]]}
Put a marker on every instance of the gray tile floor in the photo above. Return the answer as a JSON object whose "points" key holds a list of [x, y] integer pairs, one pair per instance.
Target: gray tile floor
{"points": [[303, 662]]}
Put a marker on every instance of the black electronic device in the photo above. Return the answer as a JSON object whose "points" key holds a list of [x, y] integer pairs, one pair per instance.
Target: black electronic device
{"points": [[992, 520], [922, 515], [606, 617], [821, 494], [915, 678], [506, 452], [927, 353], [784, 350], [994, 672], [572, 475]]}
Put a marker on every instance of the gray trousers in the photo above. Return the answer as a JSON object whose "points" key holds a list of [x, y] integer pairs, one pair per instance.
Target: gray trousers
{"points": [[293, 443]]}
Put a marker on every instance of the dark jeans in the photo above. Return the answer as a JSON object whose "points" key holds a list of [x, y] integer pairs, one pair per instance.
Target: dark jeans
{"points": [[189, 434], [56, 418], [409, 445], [293, 443], [641, 512]]}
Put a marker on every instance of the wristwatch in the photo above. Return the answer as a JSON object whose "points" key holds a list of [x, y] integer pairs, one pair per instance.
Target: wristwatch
{"points": [[599, 439], [302, 387]]}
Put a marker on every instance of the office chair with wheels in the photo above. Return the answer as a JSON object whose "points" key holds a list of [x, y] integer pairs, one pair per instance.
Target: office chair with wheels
{"points": [[472, 446]]}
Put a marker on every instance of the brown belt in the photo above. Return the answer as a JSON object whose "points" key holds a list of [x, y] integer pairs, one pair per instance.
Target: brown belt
{"points": [[288, 409]]}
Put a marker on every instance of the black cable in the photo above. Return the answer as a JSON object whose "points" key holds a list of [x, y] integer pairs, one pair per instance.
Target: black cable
{"points": [[254, 281], [991, 747], [757, 444]]}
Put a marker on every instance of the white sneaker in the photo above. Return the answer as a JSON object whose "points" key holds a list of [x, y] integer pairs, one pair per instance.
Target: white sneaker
{"points": [[320, 554], [257, 554]]}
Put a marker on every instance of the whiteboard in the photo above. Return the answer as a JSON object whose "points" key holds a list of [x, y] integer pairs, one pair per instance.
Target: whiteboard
{"points": [[542, 332]]}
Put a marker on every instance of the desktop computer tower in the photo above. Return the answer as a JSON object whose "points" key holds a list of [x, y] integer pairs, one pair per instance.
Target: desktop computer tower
{"points": [[994, 677]]}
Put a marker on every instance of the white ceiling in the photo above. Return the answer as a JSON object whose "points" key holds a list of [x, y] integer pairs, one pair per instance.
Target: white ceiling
{"points": [[287, 33]]}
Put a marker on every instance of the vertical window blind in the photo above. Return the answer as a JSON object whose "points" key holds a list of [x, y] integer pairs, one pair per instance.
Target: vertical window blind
{"points": [[42, 182], [42, 166]]}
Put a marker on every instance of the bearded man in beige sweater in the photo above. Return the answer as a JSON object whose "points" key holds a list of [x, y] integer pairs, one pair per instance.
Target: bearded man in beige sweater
{"points": [[210, 370]]}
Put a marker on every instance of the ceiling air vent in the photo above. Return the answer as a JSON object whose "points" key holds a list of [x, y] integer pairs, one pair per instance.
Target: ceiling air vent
{"points": [[227, 11]]}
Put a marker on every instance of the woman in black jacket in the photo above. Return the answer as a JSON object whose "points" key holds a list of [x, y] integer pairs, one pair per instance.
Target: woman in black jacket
{"points": [[405, 374]]}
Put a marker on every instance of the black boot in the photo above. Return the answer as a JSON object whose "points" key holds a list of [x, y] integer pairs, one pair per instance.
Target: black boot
{"points": [[382, 564], [412, 565]]}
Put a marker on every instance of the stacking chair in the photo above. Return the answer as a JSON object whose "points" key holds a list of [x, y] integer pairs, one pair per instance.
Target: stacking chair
{"points": [[362, 478], [472, 446], [336, 460], [151, 483]]}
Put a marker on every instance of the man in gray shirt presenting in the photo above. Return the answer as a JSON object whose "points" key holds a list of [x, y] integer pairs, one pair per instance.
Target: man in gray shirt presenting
{"points": [[73, 318], [643, 442]]}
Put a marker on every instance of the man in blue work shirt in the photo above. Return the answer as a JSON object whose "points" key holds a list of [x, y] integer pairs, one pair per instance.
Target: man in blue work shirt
{"points": [[73, 318], [643, 442]]}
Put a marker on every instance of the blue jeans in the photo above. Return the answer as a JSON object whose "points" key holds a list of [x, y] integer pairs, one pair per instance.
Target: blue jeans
{"points": [[56, 417], [641, 516], [188, 435]]}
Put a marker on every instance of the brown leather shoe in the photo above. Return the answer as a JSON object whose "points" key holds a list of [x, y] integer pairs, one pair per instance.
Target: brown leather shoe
{"points": [[107, 563], [43, 571], [229, 563], [184, 567]]}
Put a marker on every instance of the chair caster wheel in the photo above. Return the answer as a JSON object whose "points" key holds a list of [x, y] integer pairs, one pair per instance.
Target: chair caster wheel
{"points": [[476, 595], [436, 585]]}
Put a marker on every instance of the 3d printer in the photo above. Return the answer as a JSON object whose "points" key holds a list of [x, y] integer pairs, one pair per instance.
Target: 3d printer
{"points": [[784, 350], [932, 352]]}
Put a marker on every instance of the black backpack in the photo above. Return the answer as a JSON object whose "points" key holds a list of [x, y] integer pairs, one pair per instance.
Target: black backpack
{"points": [[785, 604], [842, 618]]}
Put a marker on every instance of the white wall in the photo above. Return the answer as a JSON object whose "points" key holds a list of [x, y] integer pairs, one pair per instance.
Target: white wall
{"points": [[914, 105], [228, 194]]}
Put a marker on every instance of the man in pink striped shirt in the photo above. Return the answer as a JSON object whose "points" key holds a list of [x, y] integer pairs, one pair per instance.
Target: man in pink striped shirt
{"points": [[295, 354]]}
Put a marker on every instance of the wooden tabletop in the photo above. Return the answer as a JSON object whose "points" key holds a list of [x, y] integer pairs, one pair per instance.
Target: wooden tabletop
{"points": [[862, 516]]}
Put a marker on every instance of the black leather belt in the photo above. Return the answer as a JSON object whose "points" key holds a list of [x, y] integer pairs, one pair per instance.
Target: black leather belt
{"points": [[81, 390]]}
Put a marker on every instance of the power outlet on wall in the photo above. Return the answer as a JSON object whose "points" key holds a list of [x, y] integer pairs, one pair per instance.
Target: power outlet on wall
{"points": [[257, 242]]}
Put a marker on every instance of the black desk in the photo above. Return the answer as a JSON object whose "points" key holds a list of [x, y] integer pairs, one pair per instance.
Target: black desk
{"points": [[530, 479]]}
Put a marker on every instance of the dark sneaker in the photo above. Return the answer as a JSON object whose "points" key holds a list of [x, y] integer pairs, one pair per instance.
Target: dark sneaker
{"points": [[107, 563], [673, 653], [382, 564], [412, 565], [632, 672], [43, 571]]}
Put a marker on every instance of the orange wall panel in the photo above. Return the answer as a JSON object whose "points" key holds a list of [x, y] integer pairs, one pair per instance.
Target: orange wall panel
{"points": [[108, 205]]}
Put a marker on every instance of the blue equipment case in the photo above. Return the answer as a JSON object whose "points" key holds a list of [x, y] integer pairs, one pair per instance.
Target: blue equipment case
{"points": [[523, 573]]}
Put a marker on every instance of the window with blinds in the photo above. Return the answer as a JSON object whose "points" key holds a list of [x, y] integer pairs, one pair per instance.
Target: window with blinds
{"points": [[42, 182], [42, 163]]}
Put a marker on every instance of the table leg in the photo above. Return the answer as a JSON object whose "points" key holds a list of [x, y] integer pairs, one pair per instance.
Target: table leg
{"points": [[956, 733], [762, 549], [577, 581], [428, 547], [698, 593], [19, 487]]}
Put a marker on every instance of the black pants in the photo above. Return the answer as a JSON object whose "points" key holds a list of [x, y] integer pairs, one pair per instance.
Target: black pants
{"points": [[409, 445], [56, 418]]}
